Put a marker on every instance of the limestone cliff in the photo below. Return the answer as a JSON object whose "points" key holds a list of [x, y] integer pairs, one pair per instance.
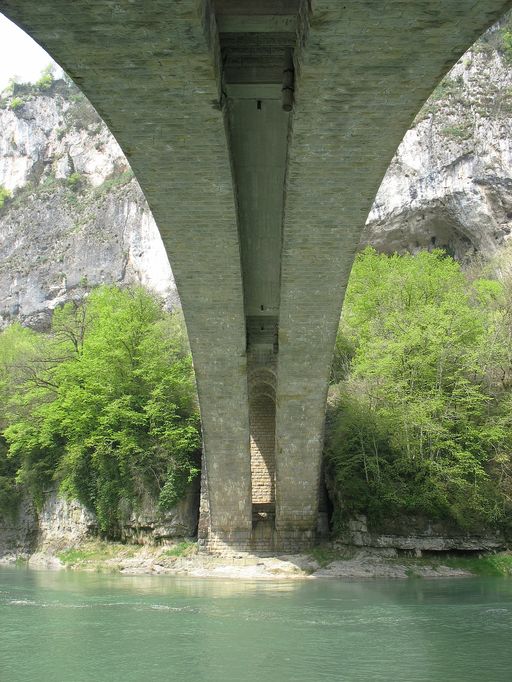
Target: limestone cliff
{"points": [[62, 523], [73, 215], [450, 182]]}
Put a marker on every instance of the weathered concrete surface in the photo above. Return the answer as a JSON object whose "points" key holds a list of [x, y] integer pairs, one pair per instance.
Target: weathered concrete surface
{"points": [[150, 73], [363, 73]]}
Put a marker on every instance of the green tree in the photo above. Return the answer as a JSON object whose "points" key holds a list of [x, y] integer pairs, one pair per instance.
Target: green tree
{"points": [[109, 410], [417, 425], [5, 194], [46, 78], [19, 349]]}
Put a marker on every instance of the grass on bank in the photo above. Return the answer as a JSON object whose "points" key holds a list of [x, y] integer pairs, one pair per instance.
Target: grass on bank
{"points": [[488, 565], [99, 553], [96, 552], [185, 548], [491, 565], [325, 555]]}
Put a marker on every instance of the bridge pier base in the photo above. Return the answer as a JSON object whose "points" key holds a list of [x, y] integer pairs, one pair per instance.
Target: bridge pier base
{"points": [[261, 541], [225, 542], [289, 531]]}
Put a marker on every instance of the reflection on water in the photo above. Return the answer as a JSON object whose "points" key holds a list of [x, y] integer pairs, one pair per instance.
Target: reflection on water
{"points": [[194, 587], [77, 626]]}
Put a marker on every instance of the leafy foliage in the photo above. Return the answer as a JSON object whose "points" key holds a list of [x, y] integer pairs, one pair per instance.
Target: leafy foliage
{"points": [[46, 79], [421, 424], [75, 181], [5, 194], [104, 405], [507, 44], [16, 103]]}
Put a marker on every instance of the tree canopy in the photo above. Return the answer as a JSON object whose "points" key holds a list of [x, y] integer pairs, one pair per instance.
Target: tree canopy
{"points": [[421, 419], [104, 405]]}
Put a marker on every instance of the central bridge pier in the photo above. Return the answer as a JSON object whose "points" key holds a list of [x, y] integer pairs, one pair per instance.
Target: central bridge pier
{"points": [[258, 47], [259, 133]]}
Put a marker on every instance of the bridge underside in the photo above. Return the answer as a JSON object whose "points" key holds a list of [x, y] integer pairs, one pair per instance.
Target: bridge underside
{"points": [[259, 132]]}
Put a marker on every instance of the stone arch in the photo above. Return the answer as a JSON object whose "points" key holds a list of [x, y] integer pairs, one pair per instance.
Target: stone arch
{"points": [[157, 99], [262, 428], [151, 70], [261, 375]]}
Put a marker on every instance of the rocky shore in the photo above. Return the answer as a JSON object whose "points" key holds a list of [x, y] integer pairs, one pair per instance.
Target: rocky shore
{"points": [[64, 535], [182, 559]]}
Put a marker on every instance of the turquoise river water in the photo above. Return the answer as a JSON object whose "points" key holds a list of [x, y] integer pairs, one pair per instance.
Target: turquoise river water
{"points": [[72, 627]]}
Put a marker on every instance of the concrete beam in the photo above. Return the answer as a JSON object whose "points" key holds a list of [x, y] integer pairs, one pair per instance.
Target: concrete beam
{"points": [[256, 24]]}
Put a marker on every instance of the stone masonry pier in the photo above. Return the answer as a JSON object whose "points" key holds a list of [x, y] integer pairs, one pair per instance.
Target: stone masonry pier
{"points": [[259, 133]]}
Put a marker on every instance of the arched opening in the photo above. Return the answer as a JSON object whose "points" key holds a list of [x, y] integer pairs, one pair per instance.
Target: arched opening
{"points": [[262, 420], [262, 426], [262, 430]]}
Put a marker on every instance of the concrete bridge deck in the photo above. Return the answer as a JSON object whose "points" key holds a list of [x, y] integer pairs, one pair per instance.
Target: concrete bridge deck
{"points": [[259, 132]]}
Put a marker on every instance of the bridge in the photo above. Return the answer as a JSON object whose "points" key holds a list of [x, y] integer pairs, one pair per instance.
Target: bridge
{"points": [[259, 132]]}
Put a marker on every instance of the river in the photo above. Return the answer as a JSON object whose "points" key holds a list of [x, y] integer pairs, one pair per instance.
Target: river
{"points": [[72, 627]]}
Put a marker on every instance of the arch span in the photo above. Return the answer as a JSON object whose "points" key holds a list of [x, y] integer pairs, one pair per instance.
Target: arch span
{"points": [[260, 224]]}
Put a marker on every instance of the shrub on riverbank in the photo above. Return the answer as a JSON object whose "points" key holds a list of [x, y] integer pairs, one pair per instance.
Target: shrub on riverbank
{"points": [[104, 404], [422, 422]]}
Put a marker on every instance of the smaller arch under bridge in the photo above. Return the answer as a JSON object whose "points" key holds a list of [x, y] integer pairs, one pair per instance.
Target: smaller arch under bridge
{"points": [[259, 132]]}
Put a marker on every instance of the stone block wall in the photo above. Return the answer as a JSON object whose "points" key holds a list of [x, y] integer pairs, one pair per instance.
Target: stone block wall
{"points": [[262, 422]]}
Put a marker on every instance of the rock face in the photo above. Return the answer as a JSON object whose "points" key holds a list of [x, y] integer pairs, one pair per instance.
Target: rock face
{"points": [[418, 535], [63, 523], [75, 216], [18, 534], [148, 526], [450, 182]]}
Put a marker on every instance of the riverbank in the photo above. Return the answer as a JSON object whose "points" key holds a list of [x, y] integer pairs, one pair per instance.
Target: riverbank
{"points": [[323, 562]]}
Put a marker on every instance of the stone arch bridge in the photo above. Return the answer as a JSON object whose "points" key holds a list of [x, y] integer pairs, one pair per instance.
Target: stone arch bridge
{"points": [[259, 132]]}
